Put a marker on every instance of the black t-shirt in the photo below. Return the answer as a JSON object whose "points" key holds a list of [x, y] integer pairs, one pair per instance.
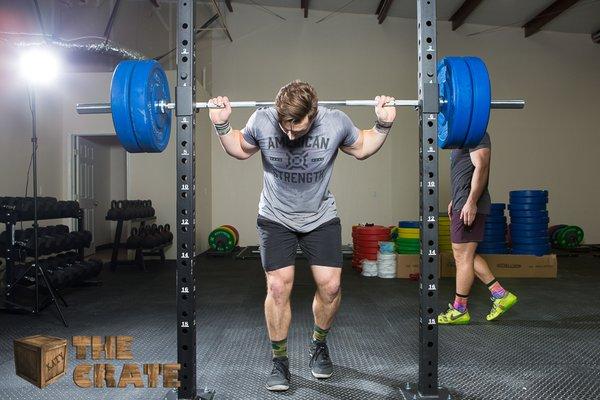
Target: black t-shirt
{"points": [[461, 173]]}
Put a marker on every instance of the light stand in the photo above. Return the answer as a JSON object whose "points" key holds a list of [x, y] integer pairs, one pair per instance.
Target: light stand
{"points": [[39, 271], [38, 66]]}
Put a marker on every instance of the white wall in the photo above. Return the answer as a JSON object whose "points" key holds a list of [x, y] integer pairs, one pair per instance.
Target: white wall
{"points": [[547, 145], [150, 176]]}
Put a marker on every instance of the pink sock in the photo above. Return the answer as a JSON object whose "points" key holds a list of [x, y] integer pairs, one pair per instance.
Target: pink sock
{"points": [[496, 289], [460, 303]]}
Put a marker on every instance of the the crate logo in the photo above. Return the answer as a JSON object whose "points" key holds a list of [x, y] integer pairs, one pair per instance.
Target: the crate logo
{"points": [[42, 360]]}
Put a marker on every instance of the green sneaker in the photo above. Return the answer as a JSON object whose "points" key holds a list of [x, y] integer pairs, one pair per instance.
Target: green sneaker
{"points": [[454, 317], [502, 305]]}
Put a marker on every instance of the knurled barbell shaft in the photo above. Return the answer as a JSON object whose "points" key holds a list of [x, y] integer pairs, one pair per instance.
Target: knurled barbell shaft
{"points": [[104, 108]]}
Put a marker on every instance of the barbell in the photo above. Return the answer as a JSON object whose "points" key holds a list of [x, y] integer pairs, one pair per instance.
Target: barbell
{"points": [[140, 104]]}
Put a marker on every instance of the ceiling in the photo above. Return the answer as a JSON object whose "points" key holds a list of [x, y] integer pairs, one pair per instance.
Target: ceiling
{"points": [[583, 17]]}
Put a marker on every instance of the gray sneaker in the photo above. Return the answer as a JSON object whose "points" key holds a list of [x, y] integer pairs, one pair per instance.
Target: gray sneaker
{"points": [[279, 380], [320, 363]]}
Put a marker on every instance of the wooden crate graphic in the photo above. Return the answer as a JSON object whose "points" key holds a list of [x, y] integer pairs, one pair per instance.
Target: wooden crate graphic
{"points": [[41, 360]]}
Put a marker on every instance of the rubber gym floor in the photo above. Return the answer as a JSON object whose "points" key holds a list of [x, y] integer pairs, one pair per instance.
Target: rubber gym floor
{"points": [[547, 347]]}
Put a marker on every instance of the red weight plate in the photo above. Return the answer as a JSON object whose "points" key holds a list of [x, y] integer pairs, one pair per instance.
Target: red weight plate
{"points": [[365, 250], [374, 245], [372, 230], [381, 238]]}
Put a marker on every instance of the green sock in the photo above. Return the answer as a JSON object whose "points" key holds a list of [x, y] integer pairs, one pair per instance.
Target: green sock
{"points": [[279, 348], [319, 335]]}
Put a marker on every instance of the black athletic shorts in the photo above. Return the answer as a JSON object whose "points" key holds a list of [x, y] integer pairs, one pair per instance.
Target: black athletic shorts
{"points": [[322, 246]]}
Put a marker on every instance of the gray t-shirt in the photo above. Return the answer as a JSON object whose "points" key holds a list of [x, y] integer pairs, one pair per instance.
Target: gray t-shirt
{"points": [[461, 173], [297, 172]]}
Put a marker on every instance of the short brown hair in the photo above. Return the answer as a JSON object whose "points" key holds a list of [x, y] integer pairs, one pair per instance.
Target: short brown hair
{"points": [[295, 101]]}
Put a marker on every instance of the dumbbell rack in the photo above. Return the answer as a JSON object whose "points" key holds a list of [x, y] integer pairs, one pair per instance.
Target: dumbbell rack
{"points": [[13, 251], [139, 255]]}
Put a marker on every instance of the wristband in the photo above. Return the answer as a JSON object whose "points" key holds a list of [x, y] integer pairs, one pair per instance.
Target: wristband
{"points": [[223, 129], [383, 127]]}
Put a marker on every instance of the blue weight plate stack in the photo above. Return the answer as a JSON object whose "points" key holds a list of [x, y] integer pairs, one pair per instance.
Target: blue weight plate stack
{"points": [[529, 222], [494, 239]]}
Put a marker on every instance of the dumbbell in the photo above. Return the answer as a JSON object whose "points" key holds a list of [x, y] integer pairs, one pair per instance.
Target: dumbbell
{"points": [[70, 257], [162, 234], [111, 214], [95, 267], [168, 233], [148, 238], [134, 240]]}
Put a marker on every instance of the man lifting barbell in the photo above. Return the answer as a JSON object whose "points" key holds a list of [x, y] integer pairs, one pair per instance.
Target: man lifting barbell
{"points": [[299, 141]]}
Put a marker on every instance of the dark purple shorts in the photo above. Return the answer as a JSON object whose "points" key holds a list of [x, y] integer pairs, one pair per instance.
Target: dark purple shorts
{"points": [[460, 233]]}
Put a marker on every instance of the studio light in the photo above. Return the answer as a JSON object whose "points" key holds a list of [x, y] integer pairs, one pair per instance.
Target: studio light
{"points": [[39, 66]]}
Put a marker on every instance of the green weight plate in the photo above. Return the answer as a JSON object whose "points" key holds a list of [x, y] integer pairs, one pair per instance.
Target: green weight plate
{"points": [[228, 229], [221, 240], [570, 237]]}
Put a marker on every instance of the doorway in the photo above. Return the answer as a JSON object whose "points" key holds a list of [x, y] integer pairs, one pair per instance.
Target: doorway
{"points": [[99, 175]]}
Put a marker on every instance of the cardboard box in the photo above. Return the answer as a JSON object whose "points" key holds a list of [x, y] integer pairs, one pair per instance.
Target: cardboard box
{"points": [[407, 264], [509, 265], [501, 265], [41, 360]]}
